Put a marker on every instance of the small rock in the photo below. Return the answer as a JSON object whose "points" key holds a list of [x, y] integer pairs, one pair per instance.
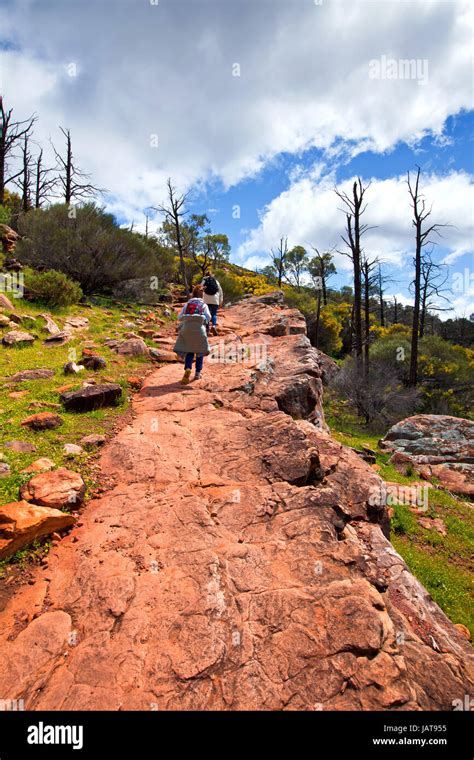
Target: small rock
{"points": [[463, 630], [21, 447], [5, 303], [162, 356], [50, 325], [58, 339], [71, 368], [42, 421], [4, 470], [92, 397], [31, 374], [57, 488], [93, 440], [76, 322], [94, 361], [17, 394], [135, 382], [43, 464], [14, 337], [133, 347], [72, 449], [22, 523], [433, 524]]}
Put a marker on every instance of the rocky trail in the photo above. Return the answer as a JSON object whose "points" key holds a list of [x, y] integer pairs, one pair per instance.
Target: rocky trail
{"points": [[238, 561]]}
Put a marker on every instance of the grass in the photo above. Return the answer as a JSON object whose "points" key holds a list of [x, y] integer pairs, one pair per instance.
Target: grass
{"points": [[443, 564], [104, 323]]}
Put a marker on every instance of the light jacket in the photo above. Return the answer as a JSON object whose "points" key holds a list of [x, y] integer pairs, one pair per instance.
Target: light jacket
{"points": [[192, 336], [217, 298]]}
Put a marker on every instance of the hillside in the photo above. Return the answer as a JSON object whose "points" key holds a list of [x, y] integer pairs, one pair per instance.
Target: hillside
{"points": [[236, 559]]}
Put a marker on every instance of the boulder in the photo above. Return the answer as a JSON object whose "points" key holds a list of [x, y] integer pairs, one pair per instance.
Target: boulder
{"points": [[22, 523], [133, 347], [72, 450], [57, 488], [436, 446], [43, 421], [16, 337], [31, 374], [92, 397]]}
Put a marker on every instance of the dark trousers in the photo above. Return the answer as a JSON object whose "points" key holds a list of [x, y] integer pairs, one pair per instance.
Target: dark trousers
{"points": [[188, 362], [213, 309]]}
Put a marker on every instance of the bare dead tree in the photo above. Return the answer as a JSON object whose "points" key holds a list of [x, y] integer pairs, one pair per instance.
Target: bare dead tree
{"points": [[422, 239], [279, 259], [174, 212], [369, 278], [74, 183], [44, 182], [23, 181], [433, 279], [12, 135], [354, 208]]}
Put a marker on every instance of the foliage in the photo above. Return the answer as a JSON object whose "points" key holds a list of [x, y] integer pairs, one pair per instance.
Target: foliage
{"points": [[90, 248], [446, 374], [51, 288], [5, 215]]}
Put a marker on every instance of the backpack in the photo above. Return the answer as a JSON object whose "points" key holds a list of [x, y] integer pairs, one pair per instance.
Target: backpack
{"points": [[194, 307], [210, 286]]}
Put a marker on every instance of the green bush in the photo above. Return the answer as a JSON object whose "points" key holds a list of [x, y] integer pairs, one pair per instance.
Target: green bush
{"points": [[5, 215], [89, 247], [231, 286], [51, 288]]}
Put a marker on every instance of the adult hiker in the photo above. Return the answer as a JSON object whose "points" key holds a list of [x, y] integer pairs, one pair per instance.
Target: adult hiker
{"points": [[192, 337], [213, 296]]}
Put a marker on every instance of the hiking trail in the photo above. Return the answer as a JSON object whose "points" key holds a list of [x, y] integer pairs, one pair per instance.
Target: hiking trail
{"points": [[237, 562]]}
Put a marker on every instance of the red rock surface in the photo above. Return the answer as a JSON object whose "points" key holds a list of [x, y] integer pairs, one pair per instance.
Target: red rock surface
{"points": [[237, 563]]}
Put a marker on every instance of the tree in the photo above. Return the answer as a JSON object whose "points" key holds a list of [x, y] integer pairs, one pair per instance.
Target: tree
{"points": [[23, 181], [44, 183], [73, 182], [354, 209], [369, 279], [296, 265], [12, 134], [279, 259], [320, 268], [422, 233], [174, 212], [433, 278]]}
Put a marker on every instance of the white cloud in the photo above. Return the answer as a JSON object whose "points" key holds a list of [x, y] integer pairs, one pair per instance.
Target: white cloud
{"points": [[308, 213], [167, 69]]}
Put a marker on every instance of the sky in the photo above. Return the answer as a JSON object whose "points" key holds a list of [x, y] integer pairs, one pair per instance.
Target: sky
{"points": [[259, 109]]}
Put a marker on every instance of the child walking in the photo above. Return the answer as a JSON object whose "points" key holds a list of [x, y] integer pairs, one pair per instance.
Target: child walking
{"points": [[191, 343]]}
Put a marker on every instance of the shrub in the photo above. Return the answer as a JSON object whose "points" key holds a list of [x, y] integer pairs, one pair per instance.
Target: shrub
{"points": [[5, 215], [231, 286], [51, 288], [89, 248]]}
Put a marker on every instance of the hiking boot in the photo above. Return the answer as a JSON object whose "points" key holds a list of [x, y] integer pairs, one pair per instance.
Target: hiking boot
{"points": [[214, 330], [186, 377], [197, 376]]}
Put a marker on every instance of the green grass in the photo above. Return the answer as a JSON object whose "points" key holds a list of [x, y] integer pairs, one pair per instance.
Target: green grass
{"points": [[103, 323], [443, 564]]}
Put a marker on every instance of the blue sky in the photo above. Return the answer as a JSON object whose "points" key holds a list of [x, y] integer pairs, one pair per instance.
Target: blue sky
{"points": [[261, 105]]}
